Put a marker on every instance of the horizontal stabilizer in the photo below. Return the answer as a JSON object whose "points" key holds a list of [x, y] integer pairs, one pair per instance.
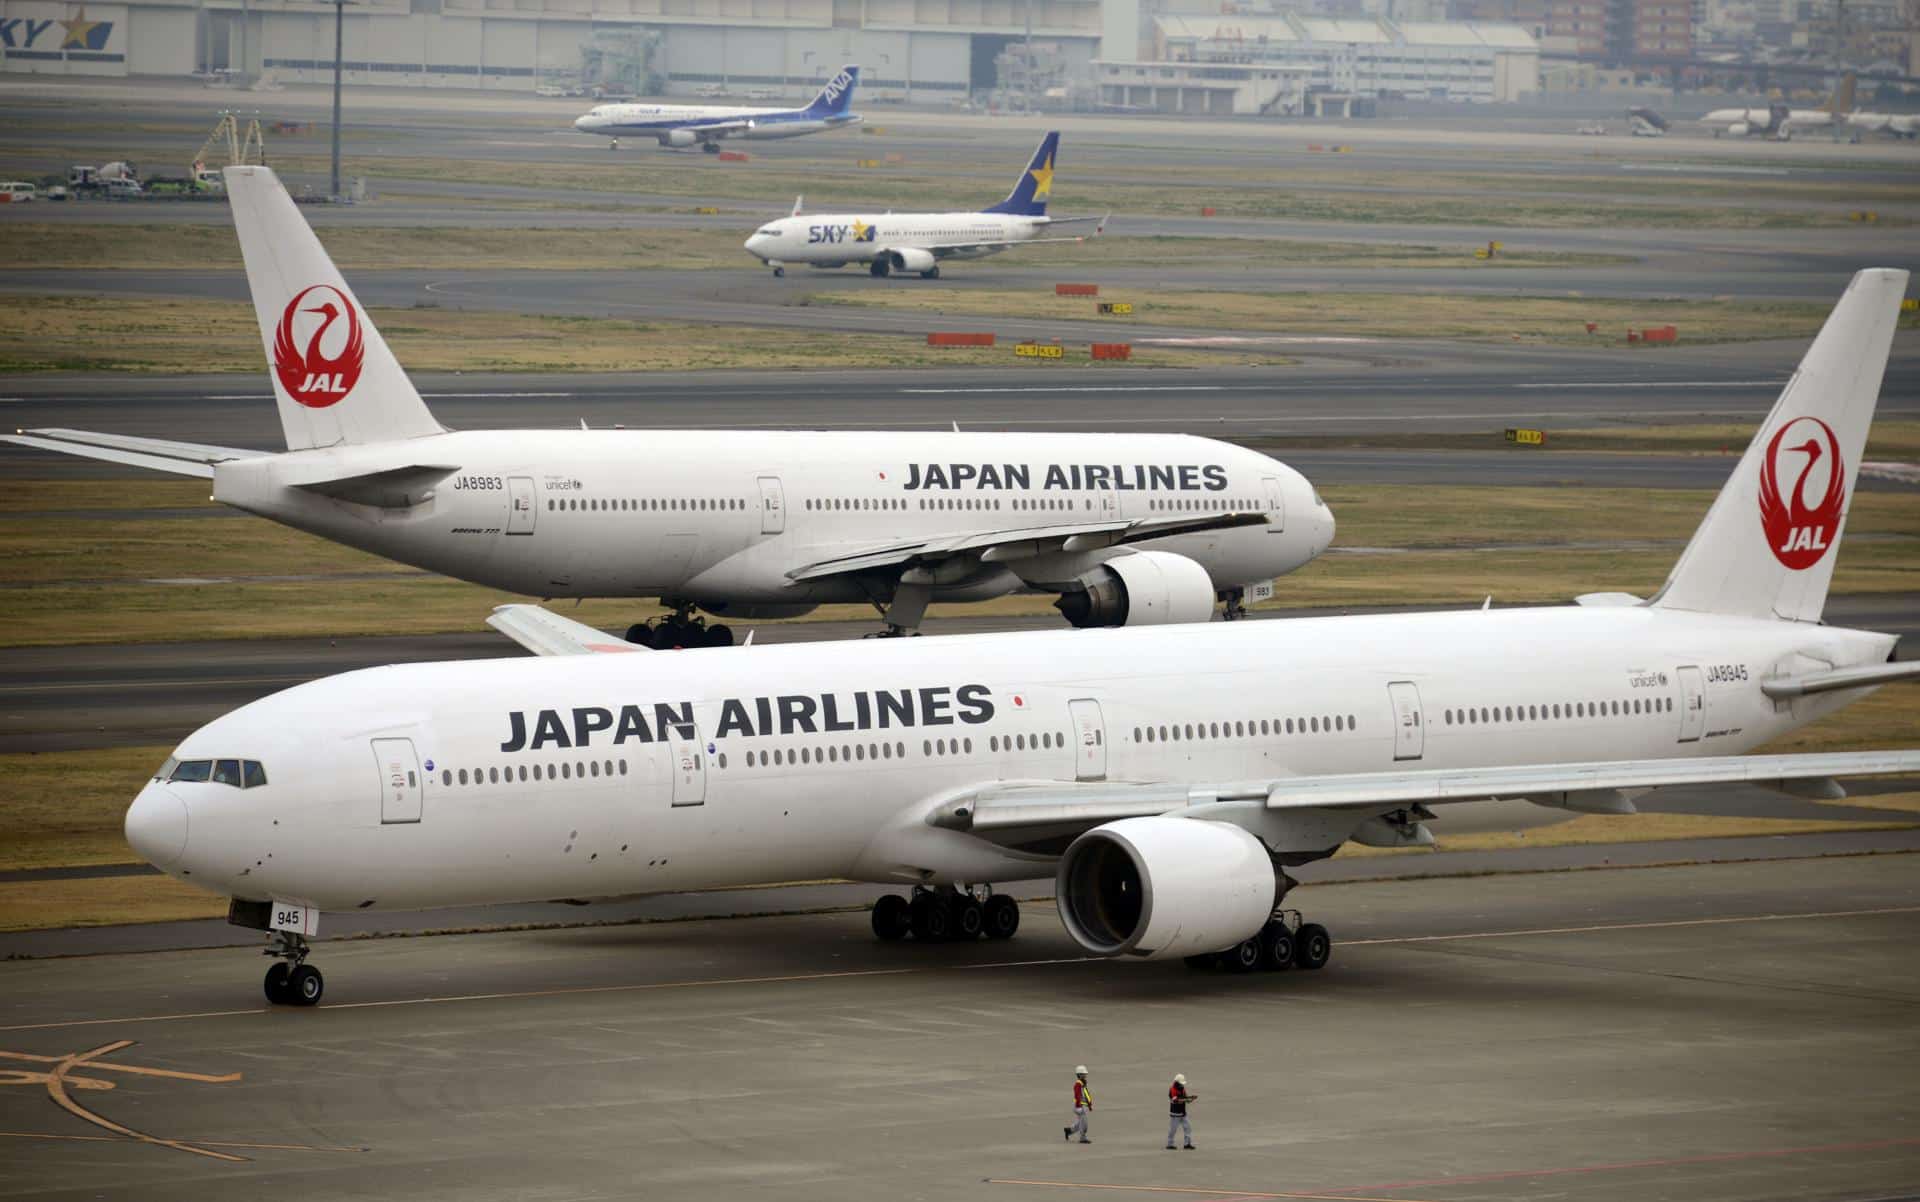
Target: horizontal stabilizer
{"points": [[544, 632], [392, 488], [159, 454], [1840, 678]]}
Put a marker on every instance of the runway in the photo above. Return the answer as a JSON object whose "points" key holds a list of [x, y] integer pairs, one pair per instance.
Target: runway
{"points": [[1722, 1032]]}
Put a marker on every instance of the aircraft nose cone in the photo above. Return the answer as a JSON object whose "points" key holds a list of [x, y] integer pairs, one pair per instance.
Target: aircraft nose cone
{"points": [[1327, 527], [582, 124], [157, 826]]}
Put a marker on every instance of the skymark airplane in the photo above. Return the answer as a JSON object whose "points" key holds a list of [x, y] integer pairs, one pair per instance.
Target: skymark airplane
{"points": [[891, 242], [1166, 779], [1126, 529], [1779, 122], [706, 124]]}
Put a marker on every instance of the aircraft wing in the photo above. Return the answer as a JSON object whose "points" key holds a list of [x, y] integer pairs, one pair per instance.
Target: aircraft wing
{"points": [[994, 546], [718, 129], [544, 632], [180, 458], [1013, 813]]}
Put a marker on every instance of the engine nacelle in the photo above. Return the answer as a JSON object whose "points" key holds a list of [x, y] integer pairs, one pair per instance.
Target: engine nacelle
{"points": [[911, 259], [680, 137], [1144, 588], [1161, 887], [1739, 129]]}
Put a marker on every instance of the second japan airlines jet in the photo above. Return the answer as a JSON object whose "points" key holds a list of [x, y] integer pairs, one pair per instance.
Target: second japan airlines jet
{"points": [[1126, 529], [1166, 779], [890, 242], [705, 125]]}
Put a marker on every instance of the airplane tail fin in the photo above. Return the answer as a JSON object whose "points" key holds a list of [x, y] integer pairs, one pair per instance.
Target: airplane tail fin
{"points": [[837, 96], [1767, 546], [1842, 101], [333, 376], [1030, 192]]}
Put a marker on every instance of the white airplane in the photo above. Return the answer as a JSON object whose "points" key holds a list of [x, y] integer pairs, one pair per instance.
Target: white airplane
{"points": [[1166, 779], [1126, 529], [1779, 122], [705, 125], [891, 242], [1900, 125]]}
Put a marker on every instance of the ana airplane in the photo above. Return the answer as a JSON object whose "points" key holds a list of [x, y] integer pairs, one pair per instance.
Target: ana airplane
{"points": [[1779, 122], [705, 125], [1166, 779], [1126, 529], [891, 242]]}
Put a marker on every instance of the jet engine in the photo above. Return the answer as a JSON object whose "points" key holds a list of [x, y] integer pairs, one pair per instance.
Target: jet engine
{"points": [[1144, 588], [1739, 129], [1160, 887], [681, 137], [911, 259]]}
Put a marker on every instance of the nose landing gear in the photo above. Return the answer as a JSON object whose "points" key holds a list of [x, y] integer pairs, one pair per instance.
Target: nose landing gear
{"points": [[292, 982]]}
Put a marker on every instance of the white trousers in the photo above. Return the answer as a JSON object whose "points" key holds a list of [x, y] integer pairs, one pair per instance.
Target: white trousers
{"points": [[1178, 1122], [1079, 1127]]}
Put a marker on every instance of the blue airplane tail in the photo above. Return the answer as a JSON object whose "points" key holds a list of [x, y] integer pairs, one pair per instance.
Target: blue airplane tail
{"points": [[835, 98], [1029, 195]]}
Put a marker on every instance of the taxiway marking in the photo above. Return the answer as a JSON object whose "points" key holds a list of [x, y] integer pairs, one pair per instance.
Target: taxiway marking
{"points": [[1224, 1195]]}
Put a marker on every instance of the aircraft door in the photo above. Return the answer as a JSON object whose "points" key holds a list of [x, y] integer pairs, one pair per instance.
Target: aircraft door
{"points": [[1089, 740], [1109, 505], [689, 767], [399, 780], [1693, 705], [773, 506], [520, 506], [1276, 502], [1409, 728]]}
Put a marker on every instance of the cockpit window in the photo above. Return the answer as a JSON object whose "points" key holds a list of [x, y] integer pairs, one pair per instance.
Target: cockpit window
{"points": [[191, 770], [254, 776], [166, 769], [241, 774], [771, 231], [226, 772]]}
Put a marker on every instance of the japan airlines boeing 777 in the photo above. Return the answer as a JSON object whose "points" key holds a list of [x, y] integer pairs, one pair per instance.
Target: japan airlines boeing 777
{"points": [[1165, 778], [1126, 529], [704, 125], [890, 242]]}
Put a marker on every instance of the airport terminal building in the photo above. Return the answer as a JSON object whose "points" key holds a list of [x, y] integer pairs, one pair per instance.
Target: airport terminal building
{"points": [[923, 51]]}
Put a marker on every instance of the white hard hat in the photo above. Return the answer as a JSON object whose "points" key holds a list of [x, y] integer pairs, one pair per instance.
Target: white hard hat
{"points": [[1079, 1070], [1179, 1078]]}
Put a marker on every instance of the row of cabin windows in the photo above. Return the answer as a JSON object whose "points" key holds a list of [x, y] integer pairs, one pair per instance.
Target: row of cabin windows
{"points": [[578, 770], [1472, 716], [1249, 729], [241, 774], [637, 504], [1206, 504], [832, 754], [857, 503]]}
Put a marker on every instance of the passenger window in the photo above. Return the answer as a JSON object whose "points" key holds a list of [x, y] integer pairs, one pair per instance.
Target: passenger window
{"points": [[192, 770], [253, 774]]}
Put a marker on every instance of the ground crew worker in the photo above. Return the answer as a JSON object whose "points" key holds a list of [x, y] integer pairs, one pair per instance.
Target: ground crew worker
{"points": [[1177, 1099], [1082, 1106]]}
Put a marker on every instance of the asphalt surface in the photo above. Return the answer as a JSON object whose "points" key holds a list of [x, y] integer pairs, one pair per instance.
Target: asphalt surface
{"points": [[1726, 1032]]}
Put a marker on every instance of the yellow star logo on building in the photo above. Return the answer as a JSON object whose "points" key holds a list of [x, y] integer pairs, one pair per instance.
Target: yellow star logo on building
{"points": [[77, 31], [1043, 177], [860, 229]]}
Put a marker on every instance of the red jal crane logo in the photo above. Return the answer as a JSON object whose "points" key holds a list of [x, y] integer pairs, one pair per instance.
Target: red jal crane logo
{"points": [[306, 371], [1800, 533]]}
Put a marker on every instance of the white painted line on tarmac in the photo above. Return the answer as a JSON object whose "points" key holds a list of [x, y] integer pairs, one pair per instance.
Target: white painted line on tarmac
{"points": [[438, 396], [1089, 388], [1774, 383]]}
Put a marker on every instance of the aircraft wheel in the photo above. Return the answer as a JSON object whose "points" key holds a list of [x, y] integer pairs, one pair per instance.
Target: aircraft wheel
{"points": [[710, 147], [1312, 946], [879, 269], [719, 636], [1002, 916], [779, 273], [1277, 947], [968, 919], [640, 634], [1243, 956], [277, 990], [931, 273], [891, 917], [305, 985], [932, 918]]}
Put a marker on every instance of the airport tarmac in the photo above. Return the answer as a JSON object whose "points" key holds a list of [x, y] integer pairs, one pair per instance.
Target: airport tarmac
{"points": [[1736, 1031]]}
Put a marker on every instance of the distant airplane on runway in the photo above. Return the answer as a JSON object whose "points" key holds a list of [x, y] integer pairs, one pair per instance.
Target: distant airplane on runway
{"points": [[1165, 779], [705, 125], [1779, 122], [892, 241], [1126, 529]]}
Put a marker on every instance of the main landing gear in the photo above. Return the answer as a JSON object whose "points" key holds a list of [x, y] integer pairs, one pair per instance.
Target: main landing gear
{"points": [[680, 629], [946, 915], [292, 982], [710, 148], [880, 268], [1284, 942]]}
